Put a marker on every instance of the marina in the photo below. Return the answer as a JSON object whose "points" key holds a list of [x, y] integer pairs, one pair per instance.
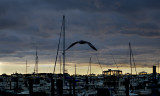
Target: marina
{"points": [[79, 48], [110, 83]]}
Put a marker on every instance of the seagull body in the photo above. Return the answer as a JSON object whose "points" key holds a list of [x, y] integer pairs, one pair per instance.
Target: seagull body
{"points": [[82, 42]]}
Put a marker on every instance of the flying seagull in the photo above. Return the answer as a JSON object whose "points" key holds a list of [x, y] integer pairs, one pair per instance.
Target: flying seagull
{"points": [[82, 42]]}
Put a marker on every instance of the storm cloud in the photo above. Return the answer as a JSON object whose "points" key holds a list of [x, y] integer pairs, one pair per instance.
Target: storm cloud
{"points": [[108, 25]]}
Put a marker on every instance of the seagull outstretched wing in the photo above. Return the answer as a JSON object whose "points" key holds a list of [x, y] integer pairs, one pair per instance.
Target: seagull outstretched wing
{"points": [[91, 46], [72, 45], [82, 42]]}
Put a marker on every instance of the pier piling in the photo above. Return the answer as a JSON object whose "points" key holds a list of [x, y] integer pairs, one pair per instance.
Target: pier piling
{"points": [[30, 86], [52, 87]]}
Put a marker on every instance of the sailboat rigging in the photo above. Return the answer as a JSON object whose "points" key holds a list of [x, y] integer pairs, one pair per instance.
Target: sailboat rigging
{"points": [[114, 61], [132, 59]]}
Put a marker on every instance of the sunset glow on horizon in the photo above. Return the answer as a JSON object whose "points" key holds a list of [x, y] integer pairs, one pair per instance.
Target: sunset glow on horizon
{"points": [[109, 25]]}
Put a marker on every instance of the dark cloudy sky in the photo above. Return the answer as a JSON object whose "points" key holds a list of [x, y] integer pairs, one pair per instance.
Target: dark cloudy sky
{"points": [[108, 24]]}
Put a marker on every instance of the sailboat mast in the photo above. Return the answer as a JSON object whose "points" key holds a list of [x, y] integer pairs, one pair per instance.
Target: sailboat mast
{"points": [[90, 65], [158, 67], [63, 44], [75, 70], [26, 66], [36, 61], [60, 63], [130, 57]]}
